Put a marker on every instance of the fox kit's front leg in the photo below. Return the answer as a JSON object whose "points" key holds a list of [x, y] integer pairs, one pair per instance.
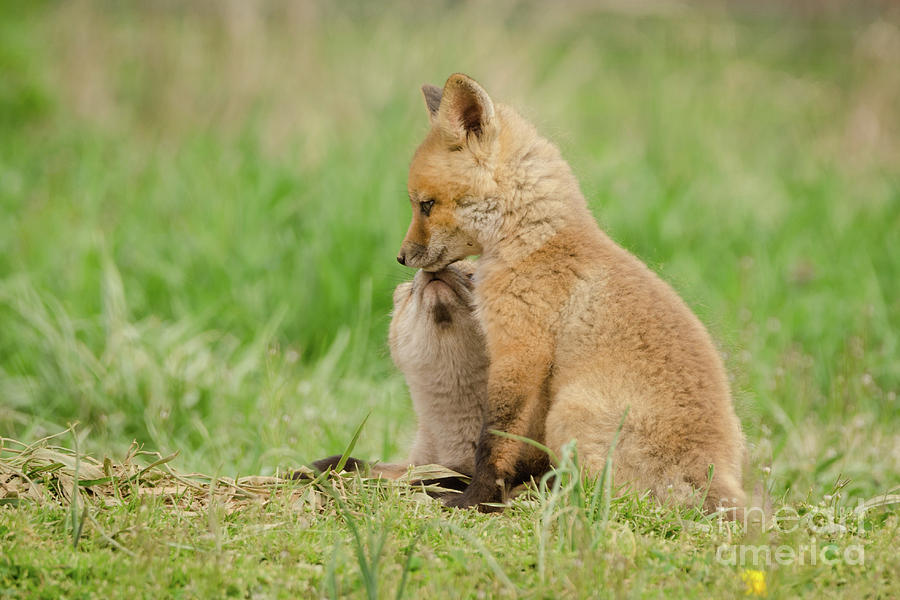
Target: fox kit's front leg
{"points": [[520, 365]]}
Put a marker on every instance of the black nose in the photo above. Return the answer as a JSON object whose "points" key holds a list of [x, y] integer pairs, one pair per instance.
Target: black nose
{"points": [[402, 260]]}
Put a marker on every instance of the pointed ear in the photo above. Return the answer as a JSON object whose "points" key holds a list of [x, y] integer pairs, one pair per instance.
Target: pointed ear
{"points": [[465, 106], [432, 95]]}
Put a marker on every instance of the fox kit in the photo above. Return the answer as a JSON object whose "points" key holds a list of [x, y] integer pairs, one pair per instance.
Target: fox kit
{"points": [[578, 331], [437, 343]]}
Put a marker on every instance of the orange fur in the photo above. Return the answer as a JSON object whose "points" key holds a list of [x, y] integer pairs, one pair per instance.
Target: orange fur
{"points": [[577, 329]]}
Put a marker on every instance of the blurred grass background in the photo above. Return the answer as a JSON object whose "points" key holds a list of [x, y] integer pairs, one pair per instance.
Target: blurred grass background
{"points": [[200, 206]]}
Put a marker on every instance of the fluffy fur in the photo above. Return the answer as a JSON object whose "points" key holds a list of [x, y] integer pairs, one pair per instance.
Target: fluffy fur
{"points": [[577, 330], [437, 343]]}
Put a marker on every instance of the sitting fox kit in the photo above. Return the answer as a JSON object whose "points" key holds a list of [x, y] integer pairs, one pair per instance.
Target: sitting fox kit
{"points": [[576, 329], [437, 343]]}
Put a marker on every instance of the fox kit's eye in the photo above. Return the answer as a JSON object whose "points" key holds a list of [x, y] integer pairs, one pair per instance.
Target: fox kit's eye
{"points": [[426, 207]]}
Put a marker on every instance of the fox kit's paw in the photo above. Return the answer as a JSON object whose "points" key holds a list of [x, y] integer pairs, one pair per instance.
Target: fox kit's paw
{"points": [[326, 464], [331, 463], [459, 501], [475, 496]]}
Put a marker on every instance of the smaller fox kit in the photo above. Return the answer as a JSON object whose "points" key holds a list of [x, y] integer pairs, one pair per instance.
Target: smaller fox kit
{"points": [[578, 331], [437, 343]]}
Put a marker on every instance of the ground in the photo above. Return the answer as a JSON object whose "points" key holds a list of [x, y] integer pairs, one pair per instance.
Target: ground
{"points": [[200, 207]]}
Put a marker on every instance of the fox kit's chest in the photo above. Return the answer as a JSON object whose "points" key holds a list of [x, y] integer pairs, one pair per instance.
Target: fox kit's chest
{"points": [[537, 291]]}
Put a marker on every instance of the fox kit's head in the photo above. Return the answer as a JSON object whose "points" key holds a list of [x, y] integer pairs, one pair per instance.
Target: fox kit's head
{"points": [[433, 324], [451, 175]]}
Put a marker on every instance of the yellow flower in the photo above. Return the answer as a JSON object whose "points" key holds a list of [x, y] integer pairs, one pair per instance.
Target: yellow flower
{"points": [[756, 582]]}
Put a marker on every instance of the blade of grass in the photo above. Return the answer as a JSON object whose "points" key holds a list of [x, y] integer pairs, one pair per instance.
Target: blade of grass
{"points": [[606, 475], [320, 478], [359, 548], [520, 438], [77, 524], [407, 564], [155, 463], [710, 470], [331, 572], [352, 444], [109, 539], [488, 557]]}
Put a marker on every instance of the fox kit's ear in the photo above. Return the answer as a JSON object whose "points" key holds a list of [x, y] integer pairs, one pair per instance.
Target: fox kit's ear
{"points": [[465, 107], [432, 95]]}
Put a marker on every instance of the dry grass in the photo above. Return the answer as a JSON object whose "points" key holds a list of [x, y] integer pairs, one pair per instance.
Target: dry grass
{"points": [[43, 472]]}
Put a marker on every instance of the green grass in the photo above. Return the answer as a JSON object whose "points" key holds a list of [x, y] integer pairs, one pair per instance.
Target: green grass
{"points": [[200, 207]]}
